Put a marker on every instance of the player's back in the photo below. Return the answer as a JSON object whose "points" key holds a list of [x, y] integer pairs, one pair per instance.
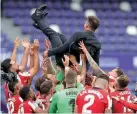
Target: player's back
{"points": [[93, 100], [66, 100], [13, 104], [124, 95], [27, 107]]}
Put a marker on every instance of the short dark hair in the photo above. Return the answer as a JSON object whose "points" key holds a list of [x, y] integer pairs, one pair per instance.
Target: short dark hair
{"points": [[38, 83], [5, 65], [93, 22], [45, 87], [24, 92], [103, 76], [12, 85], [70, 78], [119, 72], [123, 81]]}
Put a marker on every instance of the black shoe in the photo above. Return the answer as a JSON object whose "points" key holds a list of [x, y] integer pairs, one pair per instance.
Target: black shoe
{"points": [[39, 13]]}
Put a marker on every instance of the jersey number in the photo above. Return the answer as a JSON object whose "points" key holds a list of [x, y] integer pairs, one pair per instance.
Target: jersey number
{"points": [[90, 99], [21, 110], [10, 107], [128, 100], [72, 102]]}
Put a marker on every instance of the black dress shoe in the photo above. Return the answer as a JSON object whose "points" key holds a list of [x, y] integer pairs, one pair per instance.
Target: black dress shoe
{"points": [[39, 13]]}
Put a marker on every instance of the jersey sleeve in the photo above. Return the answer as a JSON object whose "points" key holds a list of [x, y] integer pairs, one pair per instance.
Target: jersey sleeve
{"points": [[128, 104], [53, 105], [33, 105]]}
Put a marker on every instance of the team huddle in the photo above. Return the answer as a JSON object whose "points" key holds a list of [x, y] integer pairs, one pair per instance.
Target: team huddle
{"points": [[65, 86]]}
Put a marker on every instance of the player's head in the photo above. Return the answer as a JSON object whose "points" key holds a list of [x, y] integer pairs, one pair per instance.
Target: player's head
{"points": [[7, 65], [102, 81], [70, 78], [122, 82], [38, 83], [92, 23], [116, 72], [15, 86], [46, 87], [27, 93]]}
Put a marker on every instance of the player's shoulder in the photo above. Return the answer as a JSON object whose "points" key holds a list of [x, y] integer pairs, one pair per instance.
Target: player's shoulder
{"points": [[114, 93]]}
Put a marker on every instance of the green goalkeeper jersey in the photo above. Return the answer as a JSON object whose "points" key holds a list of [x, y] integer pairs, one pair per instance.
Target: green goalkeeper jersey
{"points": [[64, 101]]}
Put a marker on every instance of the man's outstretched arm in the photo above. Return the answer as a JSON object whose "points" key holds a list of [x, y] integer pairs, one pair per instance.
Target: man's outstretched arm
{"points": [[14, 53], [91, 61], [23, 63]]}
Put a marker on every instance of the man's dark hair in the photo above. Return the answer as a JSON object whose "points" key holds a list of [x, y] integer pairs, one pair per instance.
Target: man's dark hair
{"points": [[45, 87], [70, 78], [12, 85], [103, 76], [38, 83], [5, 65], [123, 81], [93, 22], [24, 92], [119, 72]]}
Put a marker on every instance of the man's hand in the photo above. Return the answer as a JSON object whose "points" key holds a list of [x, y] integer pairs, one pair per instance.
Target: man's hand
{"points": [[25, 43], [36, 44], [82, 47], [47, 44], [66, 61], [16, 42], [75, 67]]}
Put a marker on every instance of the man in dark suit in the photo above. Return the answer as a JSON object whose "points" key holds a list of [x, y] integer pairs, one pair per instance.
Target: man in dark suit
{"points": [[58, 41]]}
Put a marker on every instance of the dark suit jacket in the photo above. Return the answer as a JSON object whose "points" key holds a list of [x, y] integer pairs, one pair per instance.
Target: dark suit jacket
{"points": [[91, 43]]}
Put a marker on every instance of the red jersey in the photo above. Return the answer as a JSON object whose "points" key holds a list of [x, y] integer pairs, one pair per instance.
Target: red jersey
{"points": [[13, 104], [93, 100], [124, 95], [24, 78], [27, 107]]}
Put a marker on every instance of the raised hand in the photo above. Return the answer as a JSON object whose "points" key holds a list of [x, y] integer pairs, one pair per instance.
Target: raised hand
{"points": [[36, 44], [16, 42], [45, 54], [25, 43], [65, 60], [82, 46], [47, 44]]}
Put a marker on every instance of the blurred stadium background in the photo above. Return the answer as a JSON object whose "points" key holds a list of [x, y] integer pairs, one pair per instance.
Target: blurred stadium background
{"points": [[117, 31]]}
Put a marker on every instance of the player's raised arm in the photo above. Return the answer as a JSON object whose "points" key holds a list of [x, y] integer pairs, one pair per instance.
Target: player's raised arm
{"points": [[84, 70], [47, 62], [91, 61], [31, 53], [33, 71], [23, 63], [65, 61], [16, 44]]}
